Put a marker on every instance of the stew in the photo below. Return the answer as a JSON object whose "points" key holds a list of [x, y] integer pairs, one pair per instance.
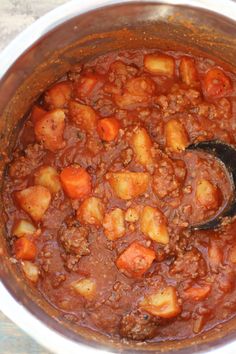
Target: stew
{"points": [[101, 194]]}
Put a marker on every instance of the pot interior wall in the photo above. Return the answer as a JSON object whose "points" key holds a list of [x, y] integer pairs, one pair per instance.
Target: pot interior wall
{"points": [[133, 25]]}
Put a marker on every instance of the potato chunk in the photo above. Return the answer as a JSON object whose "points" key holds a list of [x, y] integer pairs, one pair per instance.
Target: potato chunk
{"points": [[128, 185], [31, 271], [141, 144], [85, 287], [82, 115], [48, 177], [188, 71], [49, 130], [153, 225], [160, 64], [91, 211], [163, 303], [132, 215], [23, 228], [34, 200], [207, 194], [58, 95], [140, 86], [114, 224], [176, 136]]}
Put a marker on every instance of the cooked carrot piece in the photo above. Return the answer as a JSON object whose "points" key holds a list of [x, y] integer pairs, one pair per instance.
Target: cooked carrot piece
{"points": [[141, 144], [160, 64], [37, 112], [153, 224], [163, 303], [24, 249], [188, 71], [49, 130], [58, 95], [23, 228], [232, 254], [207, 194], [198, 293], [34, 200], [108, 128], [91, 211], [216, 83], [76, 182], [128, 185], [31, 271], [176, 136], [114, 224], [135, 260], [82, 115]]}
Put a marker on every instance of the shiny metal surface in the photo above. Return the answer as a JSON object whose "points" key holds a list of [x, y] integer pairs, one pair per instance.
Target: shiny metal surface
{"points": [[75, 32]]}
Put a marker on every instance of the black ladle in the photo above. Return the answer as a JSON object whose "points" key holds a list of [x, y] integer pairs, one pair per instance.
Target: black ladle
{"points": [[227, 155]]}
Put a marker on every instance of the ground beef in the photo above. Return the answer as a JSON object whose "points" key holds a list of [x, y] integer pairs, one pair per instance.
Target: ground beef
{"points": [[168, 178], [75, 240], [190, 265], [23, 166], [139, 326]]}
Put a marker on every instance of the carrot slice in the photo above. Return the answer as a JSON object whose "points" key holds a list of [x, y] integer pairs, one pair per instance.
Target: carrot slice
{"points": [[108, 128], [36, 113], [216, 83], [25, 249], [76, 182], [198, 293], [135, 260]]}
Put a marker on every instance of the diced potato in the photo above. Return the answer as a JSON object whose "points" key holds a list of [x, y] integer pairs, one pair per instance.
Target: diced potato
{"points": [[135, 260], [58, 95], [188, 71], [176, 136], [215, 254], [48, 177], [128, 101], [197, 293], [23, 228], [128, 185], [37, 113], [86, 85], [132, 215], [34, 200], [85, 287], [91, 211], [49, 129], [207, 194], [153, 225], [140, 86], [114, 224], [31, 271], [232, 254], [141, 144], [163, 303], [160, 64], [82, 115]]}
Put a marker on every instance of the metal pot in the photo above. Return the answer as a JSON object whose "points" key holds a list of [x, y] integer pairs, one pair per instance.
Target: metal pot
{"points": [[40, 55]]}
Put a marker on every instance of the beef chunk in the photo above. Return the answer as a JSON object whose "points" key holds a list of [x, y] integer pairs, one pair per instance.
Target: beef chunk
{"points": [[190, 264], [75, 240], [23, 165], [139, 326]]}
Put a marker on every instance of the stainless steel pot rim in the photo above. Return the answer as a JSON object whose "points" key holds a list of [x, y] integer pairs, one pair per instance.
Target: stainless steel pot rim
{"points": [[8, 305]]}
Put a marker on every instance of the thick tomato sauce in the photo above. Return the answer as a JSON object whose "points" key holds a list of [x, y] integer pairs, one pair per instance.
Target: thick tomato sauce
{"points": [[101, 194]]}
